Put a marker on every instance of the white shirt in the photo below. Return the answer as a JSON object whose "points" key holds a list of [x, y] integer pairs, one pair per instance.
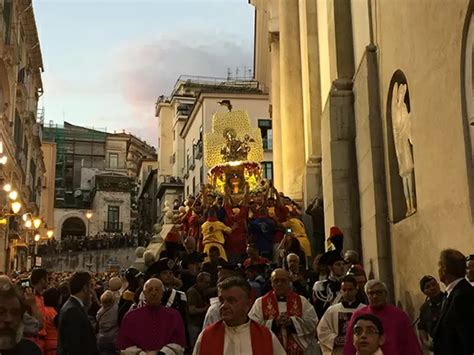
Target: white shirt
{"points": [[452, 285], [237, 341], [213, 314]]}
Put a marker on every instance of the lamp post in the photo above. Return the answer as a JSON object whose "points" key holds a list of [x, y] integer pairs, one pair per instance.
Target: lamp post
{"points": [[89, 216]]}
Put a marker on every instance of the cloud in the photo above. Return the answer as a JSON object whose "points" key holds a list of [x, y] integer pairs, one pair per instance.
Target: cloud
{"points": [[149, 69]]}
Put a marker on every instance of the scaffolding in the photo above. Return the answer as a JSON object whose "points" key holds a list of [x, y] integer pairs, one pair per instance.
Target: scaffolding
{"points": [[76, 147]]}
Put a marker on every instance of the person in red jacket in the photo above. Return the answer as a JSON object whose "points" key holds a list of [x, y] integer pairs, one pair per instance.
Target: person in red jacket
{"points": [[51, 298]]}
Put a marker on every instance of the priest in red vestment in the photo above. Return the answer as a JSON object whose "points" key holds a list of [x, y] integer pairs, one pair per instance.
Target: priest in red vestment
{"points": [[290, 316], [235, 333]]}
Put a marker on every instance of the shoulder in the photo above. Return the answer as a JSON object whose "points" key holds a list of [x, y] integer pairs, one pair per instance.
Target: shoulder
{"points": [[171, 312], [320, 285], [334, 308], [26, 346]]}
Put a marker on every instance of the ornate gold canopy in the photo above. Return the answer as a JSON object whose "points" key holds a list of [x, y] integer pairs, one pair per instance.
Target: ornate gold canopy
{"points": [[232, 140]]}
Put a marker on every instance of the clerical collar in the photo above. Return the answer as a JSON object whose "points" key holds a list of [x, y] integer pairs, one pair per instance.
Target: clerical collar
{"points": [[352, 305]]}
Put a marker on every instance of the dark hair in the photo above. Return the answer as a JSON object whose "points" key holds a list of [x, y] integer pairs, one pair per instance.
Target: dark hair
{"points": [[78, 280], [371, 318], [349, 278], [454, 261], [37, 275], [214, 248], [424, 280], [235, 281], [51, 297]]}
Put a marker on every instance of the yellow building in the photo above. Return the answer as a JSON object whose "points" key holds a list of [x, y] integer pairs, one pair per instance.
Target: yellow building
{"points": [[382, 93], [20, 125]]}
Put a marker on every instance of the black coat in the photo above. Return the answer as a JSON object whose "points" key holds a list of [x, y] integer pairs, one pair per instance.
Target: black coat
{"points": [[454, 332], [75, 333]]}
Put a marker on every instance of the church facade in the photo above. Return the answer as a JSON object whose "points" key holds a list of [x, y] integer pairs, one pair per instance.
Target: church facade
{"points": [[382, 92]]}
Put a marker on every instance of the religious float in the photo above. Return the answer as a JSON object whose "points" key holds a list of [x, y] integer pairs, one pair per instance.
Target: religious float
{"points": [[233, 151]]}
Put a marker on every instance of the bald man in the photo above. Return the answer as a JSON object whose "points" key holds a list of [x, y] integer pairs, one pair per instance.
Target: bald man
{"points": [[153, 327], [290, 316]]}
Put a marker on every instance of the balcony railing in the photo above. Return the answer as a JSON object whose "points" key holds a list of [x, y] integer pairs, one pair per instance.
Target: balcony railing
{"points": [[113, 226]]}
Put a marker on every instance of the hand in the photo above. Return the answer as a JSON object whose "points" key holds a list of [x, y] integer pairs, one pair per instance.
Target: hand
{"points": [[30, 297]]}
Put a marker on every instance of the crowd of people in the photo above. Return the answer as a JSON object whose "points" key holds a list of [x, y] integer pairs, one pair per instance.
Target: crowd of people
{"points": [[98, 241], [236, 279]]}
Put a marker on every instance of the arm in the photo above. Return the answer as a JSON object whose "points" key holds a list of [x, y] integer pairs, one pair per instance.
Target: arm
{"points": [[326, 330], [305, 326]]}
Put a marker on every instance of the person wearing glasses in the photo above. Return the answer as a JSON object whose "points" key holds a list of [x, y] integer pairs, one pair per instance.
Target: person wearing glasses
{"points": [[400, 337], [368, 335]]}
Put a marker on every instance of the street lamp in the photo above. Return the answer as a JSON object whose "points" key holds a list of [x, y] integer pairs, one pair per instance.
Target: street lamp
{"points": [[37, 237], [28, 223], [16, 207], [37, 223], [7, 187], [13, 195], [88, 216], [50, 233]]}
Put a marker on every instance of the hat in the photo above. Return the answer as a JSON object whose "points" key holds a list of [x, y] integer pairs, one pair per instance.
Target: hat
{"points": [[336, 238], [132, 274], [424, 280], [164, 264], [330, 257]]}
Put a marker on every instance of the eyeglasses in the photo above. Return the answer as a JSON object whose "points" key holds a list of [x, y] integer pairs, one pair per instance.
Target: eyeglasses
{"points": [[358, 331], [376, 292]]}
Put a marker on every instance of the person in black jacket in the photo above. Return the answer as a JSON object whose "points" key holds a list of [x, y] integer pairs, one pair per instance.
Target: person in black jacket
{"points": [[453, 334], [75, 333]]}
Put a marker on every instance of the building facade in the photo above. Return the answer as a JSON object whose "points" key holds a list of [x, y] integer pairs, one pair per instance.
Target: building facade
{"points": [[387, 88], [21, 86], [96, 179], [184, 118]]}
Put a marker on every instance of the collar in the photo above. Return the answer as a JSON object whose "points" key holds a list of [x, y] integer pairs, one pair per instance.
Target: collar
{"points": [[352, 305], [452, 285], [378, 352], [471, 282], [78, 300], [334, 278], [238, 328]]}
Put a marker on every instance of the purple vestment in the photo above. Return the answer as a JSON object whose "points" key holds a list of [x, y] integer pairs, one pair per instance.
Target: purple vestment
{"points": [[400, 337], [151, 328]]}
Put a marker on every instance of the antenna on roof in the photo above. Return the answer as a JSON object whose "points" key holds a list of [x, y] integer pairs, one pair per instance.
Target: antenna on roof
{"points": [[237, 72], [229, 74]]}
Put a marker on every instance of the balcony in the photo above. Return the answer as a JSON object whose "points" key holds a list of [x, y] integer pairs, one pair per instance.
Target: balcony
{"points": [[113, 226]]}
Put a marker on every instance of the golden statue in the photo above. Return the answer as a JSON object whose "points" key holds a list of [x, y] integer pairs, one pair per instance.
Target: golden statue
{"points": [[233, 152]]}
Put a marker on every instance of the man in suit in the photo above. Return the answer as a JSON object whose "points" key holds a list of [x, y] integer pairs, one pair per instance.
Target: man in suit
{"points": [[76, 336], [453, 335]]}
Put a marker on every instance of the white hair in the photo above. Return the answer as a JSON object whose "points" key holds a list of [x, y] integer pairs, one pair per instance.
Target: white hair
{"points": [[291, 255], [372, 283]]}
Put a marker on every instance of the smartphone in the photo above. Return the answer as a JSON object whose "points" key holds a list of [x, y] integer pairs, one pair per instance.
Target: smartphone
{"points": [[25, 283]]}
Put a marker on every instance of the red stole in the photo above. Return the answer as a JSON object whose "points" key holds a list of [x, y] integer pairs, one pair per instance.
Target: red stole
{"points": [[213, 337], [294, 307]]}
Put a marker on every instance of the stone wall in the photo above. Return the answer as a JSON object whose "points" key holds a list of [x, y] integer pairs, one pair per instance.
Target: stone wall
{"points": [[95, 261]]}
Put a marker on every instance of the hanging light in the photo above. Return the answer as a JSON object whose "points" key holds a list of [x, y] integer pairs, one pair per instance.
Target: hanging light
{"points": [[3, 160], [28, 224], [7, 187], [37, 223], [37, 237], [50, 233], [13, 195], [16, 207], [25, 217]]}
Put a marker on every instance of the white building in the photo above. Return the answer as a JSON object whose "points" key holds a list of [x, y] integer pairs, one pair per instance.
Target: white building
{"points": [[199, 122]]}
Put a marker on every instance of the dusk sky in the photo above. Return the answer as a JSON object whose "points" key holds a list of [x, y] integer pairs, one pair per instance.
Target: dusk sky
{"points": [[106, 61]]}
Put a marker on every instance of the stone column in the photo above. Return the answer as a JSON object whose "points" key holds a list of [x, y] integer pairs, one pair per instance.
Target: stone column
{"points": [[276, 121], [340, 174], [312, 110], [291, 94]]}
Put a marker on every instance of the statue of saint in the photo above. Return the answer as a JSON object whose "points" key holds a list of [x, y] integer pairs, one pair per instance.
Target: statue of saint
{"points": [[235, 149], [401, 122]]}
